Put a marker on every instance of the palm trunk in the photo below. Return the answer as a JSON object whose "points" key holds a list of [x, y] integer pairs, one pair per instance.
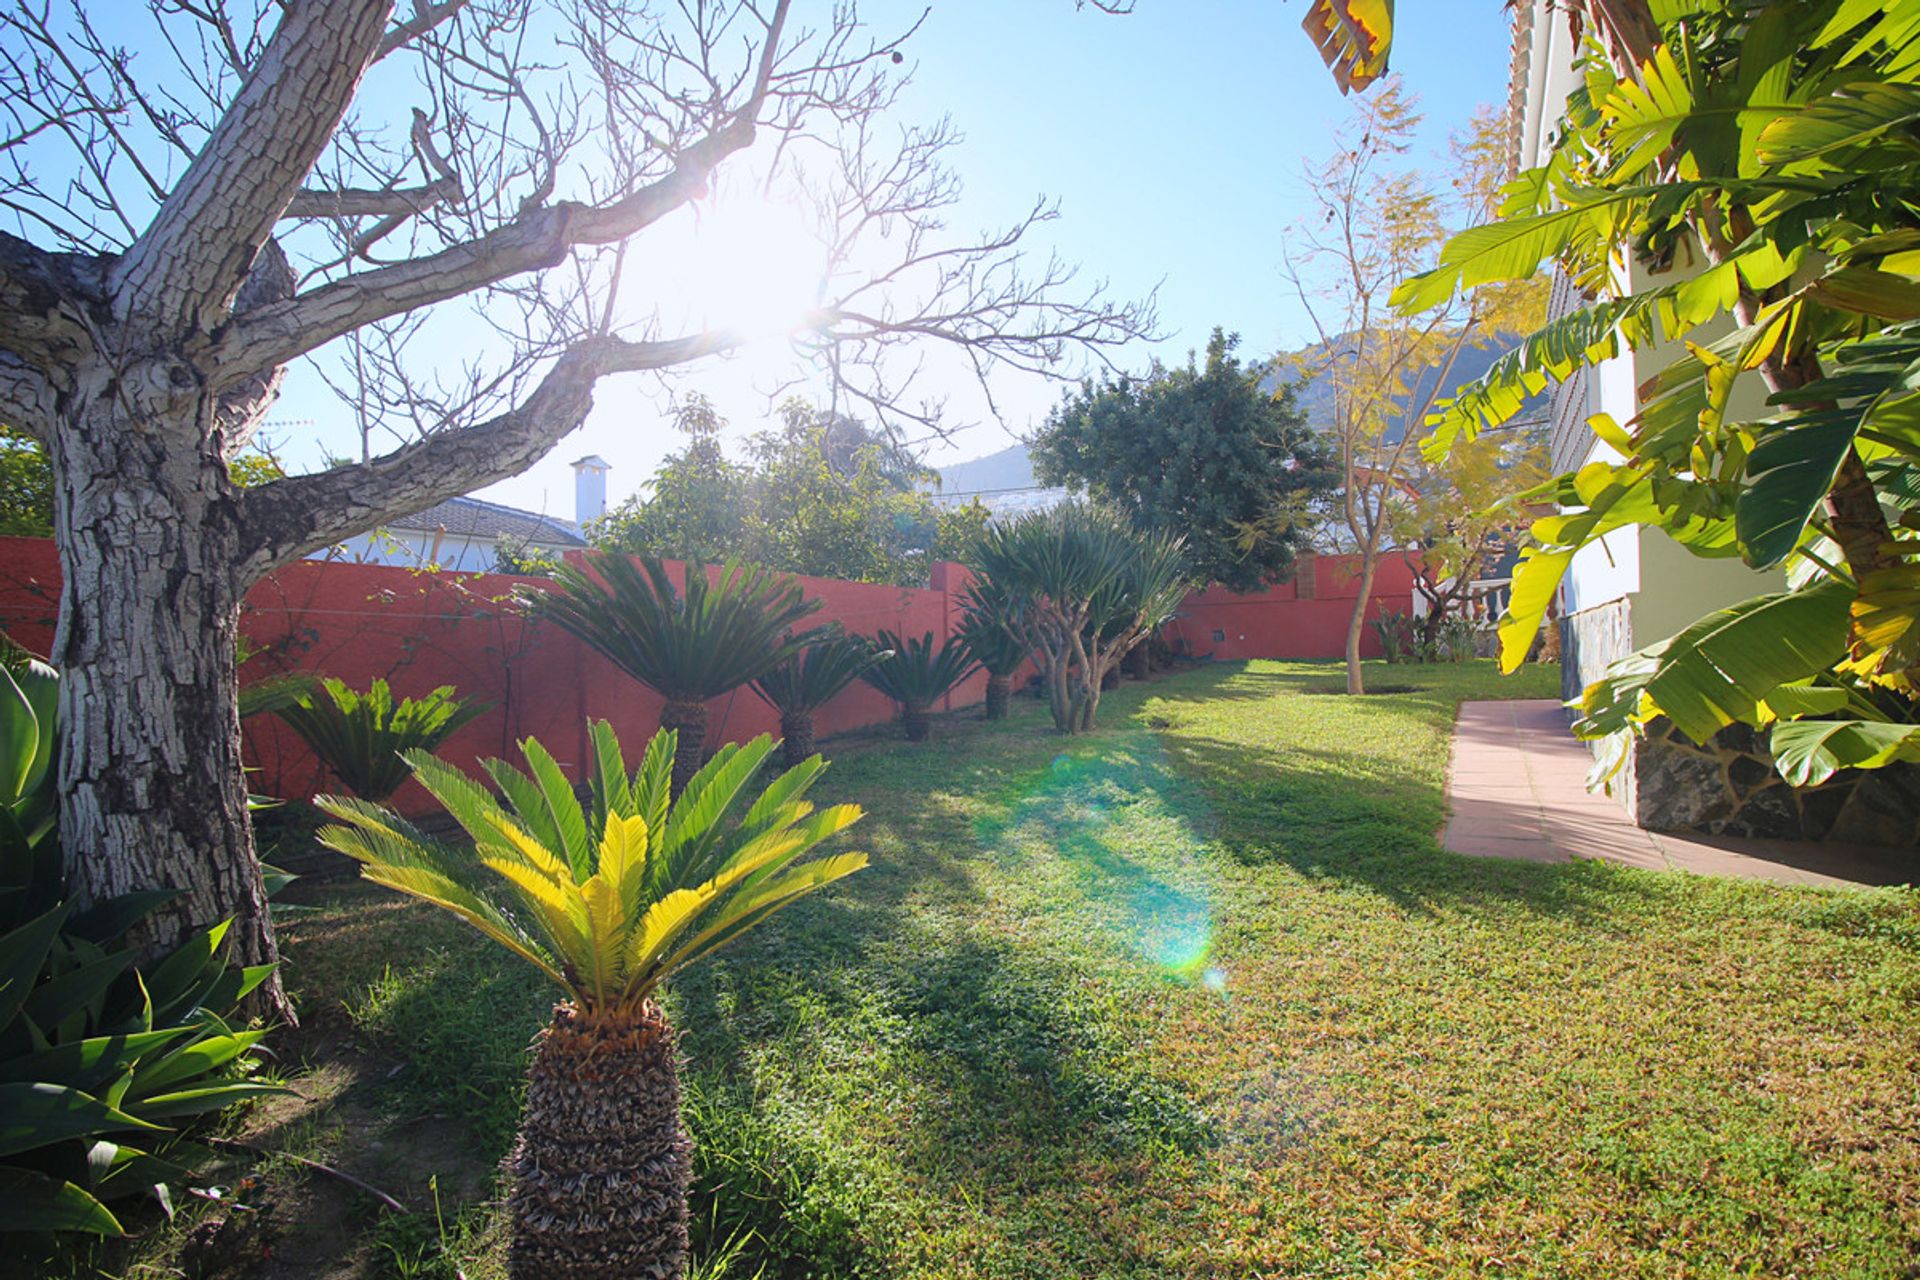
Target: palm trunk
{"points": [[999, 693], [151, 790], [796, 737], [601, 1166], [689, 720], [914, 718]]}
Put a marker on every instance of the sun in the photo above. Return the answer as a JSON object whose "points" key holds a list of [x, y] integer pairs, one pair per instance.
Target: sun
{"points": [[753, 266]]}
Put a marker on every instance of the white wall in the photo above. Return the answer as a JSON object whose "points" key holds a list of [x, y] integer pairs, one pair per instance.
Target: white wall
{"points": [[410, 549]]}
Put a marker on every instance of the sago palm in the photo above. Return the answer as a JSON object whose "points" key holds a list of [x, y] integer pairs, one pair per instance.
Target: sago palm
{"points": [[608, 901], [686, 646], [809, 680], [361, 736], [916, 674], [988, 626]]}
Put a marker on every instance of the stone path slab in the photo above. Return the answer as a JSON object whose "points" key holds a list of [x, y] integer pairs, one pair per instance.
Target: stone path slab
{"points": [[1517, 789]]}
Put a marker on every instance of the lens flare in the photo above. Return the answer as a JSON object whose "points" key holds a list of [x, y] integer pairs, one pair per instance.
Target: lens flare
{"points": [[1112, 830]]}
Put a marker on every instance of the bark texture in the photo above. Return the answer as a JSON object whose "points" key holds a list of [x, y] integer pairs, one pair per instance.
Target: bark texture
{"points": [[914, 720], [601, 1167], [152, 794], [689, 720], [1357, 624], [999, 693], [796, 737]]}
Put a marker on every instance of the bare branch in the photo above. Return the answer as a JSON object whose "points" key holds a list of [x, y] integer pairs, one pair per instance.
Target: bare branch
{"points": [[186, 266], [289, 518]]}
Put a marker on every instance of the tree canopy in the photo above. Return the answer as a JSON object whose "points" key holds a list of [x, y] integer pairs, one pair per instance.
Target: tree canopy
{"points": [[820, 494], [1199, 450]]}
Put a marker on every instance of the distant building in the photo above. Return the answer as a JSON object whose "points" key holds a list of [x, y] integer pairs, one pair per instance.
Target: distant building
{"points": [[467, 535]]}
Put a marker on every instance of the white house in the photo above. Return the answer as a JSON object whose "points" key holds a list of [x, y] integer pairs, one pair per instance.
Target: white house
{"points": [[467, 535]]}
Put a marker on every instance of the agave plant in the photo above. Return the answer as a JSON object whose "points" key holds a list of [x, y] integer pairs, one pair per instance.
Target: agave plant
{"points": [[1090, 588], [687, 647], [988, 628], [807, 681], [916, 674], [608, 901], [104, 1052], [360, 736]]}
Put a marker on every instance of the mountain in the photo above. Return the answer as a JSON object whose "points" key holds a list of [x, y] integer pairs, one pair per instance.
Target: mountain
{"points": [[1003, 480], [1315, 394]]}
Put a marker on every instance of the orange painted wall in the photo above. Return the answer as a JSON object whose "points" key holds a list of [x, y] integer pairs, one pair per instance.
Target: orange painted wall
{"points": [[419, 630]]}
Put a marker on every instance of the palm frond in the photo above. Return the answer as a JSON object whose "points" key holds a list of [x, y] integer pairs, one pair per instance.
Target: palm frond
{"points": [[360, 736], [808, 680], [661, 882], [916, 673], [689, 645]]}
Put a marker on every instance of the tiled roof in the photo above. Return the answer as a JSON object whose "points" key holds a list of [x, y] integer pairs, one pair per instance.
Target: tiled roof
{"points": [[470, 517]]}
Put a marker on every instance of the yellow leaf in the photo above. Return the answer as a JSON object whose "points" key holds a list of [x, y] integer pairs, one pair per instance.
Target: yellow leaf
{"points": [[661, 925]]}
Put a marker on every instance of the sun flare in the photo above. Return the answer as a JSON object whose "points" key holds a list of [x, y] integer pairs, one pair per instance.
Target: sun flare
{"points": [[753, 266]]}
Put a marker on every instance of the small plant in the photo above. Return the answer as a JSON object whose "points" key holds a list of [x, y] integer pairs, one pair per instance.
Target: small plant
{"points": [[988, 626], [1398, 641], [360, 736], [916, 675], [807, 681], [1459, 639], [608, 901], [686, 646]]}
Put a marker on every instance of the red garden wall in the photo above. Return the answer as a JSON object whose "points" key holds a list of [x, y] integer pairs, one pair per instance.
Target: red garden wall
{"points": [[1288, 622], [420, 630]]}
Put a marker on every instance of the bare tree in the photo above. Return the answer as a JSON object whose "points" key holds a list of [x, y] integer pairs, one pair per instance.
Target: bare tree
{"points": [[262, 181], [1377, 223]]}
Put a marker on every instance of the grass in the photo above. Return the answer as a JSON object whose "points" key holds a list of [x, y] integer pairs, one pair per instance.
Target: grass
{"points": [[1198, 996]]}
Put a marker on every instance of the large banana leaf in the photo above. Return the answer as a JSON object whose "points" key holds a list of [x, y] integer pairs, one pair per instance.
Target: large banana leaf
{"points": [[1721, 670], [1355, 38], [1808, 752]]}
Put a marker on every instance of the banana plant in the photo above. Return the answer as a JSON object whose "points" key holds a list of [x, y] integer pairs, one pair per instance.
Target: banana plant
{"points": [[608, 900], [1763, 151]]}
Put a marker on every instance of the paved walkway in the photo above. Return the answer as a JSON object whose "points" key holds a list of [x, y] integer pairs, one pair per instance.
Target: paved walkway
{"points": [[1517, 789]]}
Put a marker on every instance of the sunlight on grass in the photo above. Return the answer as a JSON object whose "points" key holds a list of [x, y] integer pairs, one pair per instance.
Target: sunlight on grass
{"points": [[1200, 996]]}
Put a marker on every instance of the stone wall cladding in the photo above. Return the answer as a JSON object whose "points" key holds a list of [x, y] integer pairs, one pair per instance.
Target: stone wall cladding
{"points": [[1730, 787], [1589, 641]]}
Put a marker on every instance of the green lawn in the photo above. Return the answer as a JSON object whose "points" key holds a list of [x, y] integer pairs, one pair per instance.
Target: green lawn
{"points": [[1196, 996]]}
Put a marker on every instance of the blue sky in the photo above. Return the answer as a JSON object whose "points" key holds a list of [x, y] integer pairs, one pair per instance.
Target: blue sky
{"points": [[1174, 140]]}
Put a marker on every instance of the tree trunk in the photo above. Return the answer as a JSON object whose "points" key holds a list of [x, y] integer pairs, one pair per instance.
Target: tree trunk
{"points": [[913, 718], [999, 693], [1139, 662], [688, 720], [796, 737], [601, 1166], [1357, 624], [152, 795]]}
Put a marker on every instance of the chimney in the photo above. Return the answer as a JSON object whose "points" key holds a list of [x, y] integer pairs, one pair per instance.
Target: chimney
{"points": [[590, 488]]}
